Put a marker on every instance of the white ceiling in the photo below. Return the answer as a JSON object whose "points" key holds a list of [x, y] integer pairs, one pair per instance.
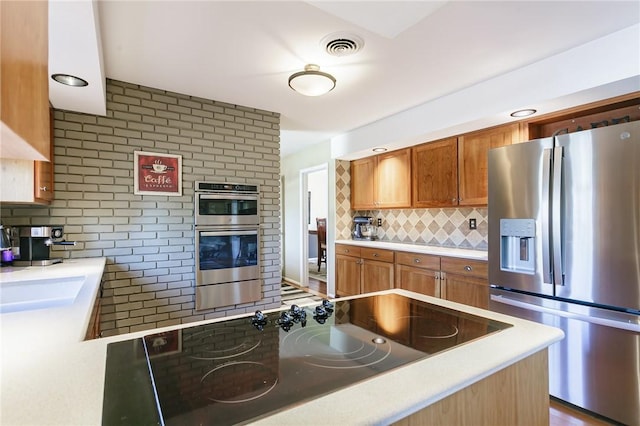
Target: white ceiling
{"points": [[243, 52]]}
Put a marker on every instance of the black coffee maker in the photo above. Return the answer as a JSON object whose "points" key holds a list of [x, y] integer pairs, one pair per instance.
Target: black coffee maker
{"points": [[35, 245]]}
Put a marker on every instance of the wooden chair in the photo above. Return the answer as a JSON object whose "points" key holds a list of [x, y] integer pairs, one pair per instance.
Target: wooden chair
{"points": [[321, 226]]}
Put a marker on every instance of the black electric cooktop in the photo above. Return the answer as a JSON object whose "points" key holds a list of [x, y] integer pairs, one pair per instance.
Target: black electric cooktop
{"points": [[240, 370]]}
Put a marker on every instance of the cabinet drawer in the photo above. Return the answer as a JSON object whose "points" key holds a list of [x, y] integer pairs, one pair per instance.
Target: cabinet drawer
{"points": [[472, 268], [377, 254], [348, 250], [418, 260]]}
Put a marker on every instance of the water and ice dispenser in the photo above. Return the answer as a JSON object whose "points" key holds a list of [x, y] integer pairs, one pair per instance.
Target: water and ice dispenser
{"points": [[517, 245]]}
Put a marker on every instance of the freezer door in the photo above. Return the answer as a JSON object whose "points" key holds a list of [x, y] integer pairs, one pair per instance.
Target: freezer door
{"points": [[600, 216], [596, 365], [519, 209]]}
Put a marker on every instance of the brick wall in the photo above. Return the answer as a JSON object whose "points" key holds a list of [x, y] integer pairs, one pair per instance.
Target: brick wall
{"points": [[149, 240]]}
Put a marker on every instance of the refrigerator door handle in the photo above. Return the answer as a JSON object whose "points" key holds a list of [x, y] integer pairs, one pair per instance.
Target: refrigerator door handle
{"points": [[546, 231], [556, 207], [572, 315]]}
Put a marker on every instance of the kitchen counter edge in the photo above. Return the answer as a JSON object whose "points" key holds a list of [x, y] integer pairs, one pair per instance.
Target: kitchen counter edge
{"points": [[419, 248], [77, 369]]}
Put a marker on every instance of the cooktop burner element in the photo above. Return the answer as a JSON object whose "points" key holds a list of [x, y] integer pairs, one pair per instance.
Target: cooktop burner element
{"points": [[218, 343], [239, 370]]}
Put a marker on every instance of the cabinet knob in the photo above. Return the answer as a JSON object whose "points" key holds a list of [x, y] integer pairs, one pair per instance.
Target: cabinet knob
{"points": [[453, 200], [468, 268], [376, 255], [346, 250], [416, 260], [43, 188]]}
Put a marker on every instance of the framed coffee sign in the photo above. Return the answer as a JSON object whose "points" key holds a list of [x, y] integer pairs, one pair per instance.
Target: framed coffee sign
{"points": [[157, 174]]}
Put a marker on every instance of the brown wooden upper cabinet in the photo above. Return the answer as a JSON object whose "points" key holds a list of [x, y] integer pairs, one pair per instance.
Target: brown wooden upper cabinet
{"points": [[473, 149], [382, 181], [453, 172], [435, 174], [24, 98]]}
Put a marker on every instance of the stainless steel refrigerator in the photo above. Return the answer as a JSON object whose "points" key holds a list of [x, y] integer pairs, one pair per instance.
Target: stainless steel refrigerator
{"points": [[564, 250]]}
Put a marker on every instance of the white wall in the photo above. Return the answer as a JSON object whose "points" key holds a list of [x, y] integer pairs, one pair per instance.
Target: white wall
{"points": [[601, 69], [317, 183], [291, 166]]}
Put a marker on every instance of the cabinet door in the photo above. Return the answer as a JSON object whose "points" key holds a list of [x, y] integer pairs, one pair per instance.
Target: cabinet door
{"points": [[376, 276], [472, 291], [25, 79], [473, 149], [420, 280], [393, 179], [347, 275], [43, 178], [435, 174], [362, 184]]}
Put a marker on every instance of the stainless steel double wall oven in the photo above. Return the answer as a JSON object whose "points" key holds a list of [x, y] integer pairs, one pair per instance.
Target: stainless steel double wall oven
{"points": [[227, 234]]}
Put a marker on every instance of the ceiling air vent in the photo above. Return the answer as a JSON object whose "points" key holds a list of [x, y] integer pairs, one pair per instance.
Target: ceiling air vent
{"points": [[339, 44]]}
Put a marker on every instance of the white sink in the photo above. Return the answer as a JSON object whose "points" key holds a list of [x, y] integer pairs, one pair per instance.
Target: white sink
{"points": [[39, 294]]}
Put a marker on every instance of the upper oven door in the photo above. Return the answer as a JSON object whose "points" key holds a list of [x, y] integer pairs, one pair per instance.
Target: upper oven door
{"points": [[226, 209]]}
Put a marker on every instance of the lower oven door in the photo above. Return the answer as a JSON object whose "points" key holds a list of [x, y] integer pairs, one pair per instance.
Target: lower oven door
{"points": [[227, 266]]}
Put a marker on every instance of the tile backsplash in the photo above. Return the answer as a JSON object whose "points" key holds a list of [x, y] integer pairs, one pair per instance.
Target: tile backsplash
{"points": [[447, 227], [434, 227]]}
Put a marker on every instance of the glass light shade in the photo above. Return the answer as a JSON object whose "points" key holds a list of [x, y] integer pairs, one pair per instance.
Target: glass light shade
{"points": [[523, 112], [69, 80], [312, 81]]}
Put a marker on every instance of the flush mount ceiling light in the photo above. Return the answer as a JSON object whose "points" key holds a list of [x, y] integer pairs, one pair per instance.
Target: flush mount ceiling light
{"points": [[312, 81], [523, 112], [69, 80]]}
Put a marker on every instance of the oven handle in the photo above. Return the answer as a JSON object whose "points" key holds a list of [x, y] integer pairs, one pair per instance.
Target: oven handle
{"points": [[226, 196], [227, 232]]}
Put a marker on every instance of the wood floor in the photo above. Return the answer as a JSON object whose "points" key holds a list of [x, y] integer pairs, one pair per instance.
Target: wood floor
{"points": [[317, 287], [560, 414]]}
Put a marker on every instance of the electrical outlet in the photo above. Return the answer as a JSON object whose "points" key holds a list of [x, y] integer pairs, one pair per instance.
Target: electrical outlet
{"points": [[472, 224], [379, 222]]}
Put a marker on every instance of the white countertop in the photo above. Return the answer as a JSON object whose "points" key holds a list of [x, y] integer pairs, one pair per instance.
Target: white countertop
{"points": [[419, 248], [49, 376]]}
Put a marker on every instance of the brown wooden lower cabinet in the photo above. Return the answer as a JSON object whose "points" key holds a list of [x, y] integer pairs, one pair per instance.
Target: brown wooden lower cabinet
{"points": [[456, 279], [419, 273], [93, 331], [515, 395], [347, 275], [363, 270], [472, 291], [465, 281]]}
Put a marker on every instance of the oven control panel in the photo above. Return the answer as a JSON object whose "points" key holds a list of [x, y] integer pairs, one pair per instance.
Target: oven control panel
{"points": [[226, 187]]}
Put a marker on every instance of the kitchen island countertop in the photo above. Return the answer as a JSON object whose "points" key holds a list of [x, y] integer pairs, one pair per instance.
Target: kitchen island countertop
{"points": [[419, 248], [50, 376]]}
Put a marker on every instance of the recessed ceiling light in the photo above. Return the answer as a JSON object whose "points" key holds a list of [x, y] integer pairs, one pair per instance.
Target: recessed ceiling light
{"points": [[69, 80], [523, 112], [379, 149]]}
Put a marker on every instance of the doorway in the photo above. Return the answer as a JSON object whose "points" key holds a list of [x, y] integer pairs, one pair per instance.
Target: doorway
{"points": [[314, 184]]}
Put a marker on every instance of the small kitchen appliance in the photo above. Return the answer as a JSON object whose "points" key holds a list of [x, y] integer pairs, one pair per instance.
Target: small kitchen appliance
{"points": [[363, 228], [564, 250], [240, 370], [6, 248], [35, 245]]}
